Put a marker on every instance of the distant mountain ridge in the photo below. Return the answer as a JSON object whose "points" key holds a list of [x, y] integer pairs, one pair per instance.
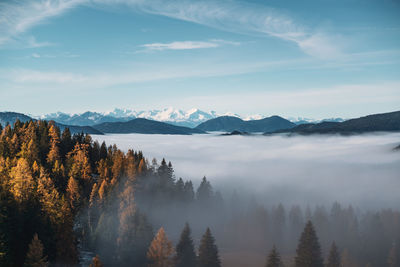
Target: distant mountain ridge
{"points": [[230, 124], [144, 126], [190, 118], [384, 122], [274, 124], [12, 117]]}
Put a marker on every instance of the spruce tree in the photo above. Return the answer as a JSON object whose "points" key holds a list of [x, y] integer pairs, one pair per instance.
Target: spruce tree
{"points": [[189, 192], [334, 257], [308, 249], [66, 143], [185, 254], [35, 257], [208, 251], [205, 191], [274, 259], [161, 251]]}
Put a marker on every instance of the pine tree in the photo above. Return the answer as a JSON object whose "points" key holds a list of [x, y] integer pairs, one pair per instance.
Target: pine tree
{"points": [[185, 254], [80, 167], [165, 172], [66, 144], [130, 168], [49, 197], [205, 191], [179, 190], [334, 257], [73, 194], [308, 249], [103, 151], [208, 251], [35, 257], [134, 233], [161, 251], [96, 262], [274, 259], [22, 183], [189, 192], [54, 153]]}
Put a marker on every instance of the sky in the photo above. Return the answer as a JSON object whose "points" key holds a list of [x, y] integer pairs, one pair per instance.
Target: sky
{"points": [[311, 58]]}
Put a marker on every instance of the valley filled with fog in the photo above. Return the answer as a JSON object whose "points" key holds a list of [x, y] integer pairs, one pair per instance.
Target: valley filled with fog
{"points": [[361, 170]]}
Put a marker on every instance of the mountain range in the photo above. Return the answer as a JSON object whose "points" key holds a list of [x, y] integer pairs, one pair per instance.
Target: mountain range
{"points": [[190, 118], [269, 125]]}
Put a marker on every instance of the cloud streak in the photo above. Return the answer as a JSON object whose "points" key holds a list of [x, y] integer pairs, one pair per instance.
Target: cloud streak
{"points": [[187, 45]]}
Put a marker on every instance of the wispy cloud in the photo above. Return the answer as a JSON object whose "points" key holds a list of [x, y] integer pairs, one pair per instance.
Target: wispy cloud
{"points": [[56, 55], [187, 45], [234, 16], [17, 17]]}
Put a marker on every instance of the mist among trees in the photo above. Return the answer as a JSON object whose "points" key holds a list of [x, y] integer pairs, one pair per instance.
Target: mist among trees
{"points": [[61, 195]]}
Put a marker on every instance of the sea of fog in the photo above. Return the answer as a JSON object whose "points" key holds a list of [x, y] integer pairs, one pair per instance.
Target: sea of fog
{"points": [[360, 170]]}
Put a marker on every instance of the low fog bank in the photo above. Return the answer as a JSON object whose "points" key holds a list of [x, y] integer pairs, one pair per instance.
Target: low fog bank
{"points": [[360, 170]]}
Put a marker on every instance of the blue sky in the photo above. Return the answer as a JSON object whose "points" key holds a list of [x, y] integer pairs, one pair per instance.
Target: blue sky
{"points": [[292, 58]]}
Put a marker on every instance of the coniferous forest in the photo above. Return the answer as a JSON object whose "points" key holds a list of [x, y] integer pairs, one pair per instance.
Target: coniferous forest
{"points": [[63, 195]]}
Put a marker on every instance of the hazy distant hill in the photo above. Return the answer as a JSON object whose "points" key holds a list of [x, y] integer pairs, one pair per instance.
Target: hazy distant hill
{"points": [[387, 122], [229, 124], [144, 126], [11, 117]]}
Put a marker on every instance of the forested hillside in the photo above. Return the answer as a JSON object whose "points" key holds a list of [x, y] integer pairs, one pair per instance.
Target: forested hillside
{"points": [[60, 194]]}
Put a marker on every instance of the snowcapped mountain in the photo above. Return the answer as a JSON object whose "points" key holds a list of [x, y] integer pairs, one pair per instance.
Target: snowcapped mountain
{"points": [[188, 118]]}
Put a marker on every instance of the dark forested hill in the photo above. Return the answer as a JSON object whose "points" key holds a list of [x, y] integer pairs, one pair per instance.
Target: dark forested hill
{"points": [[12, 117], [229, 124], [385, 122], [144, 126], [79, 129]]}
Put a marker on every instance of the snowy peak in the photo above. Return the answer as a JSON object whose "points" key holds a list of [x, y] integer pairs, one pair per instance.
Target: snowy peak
{"points": [[190, 118]]}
